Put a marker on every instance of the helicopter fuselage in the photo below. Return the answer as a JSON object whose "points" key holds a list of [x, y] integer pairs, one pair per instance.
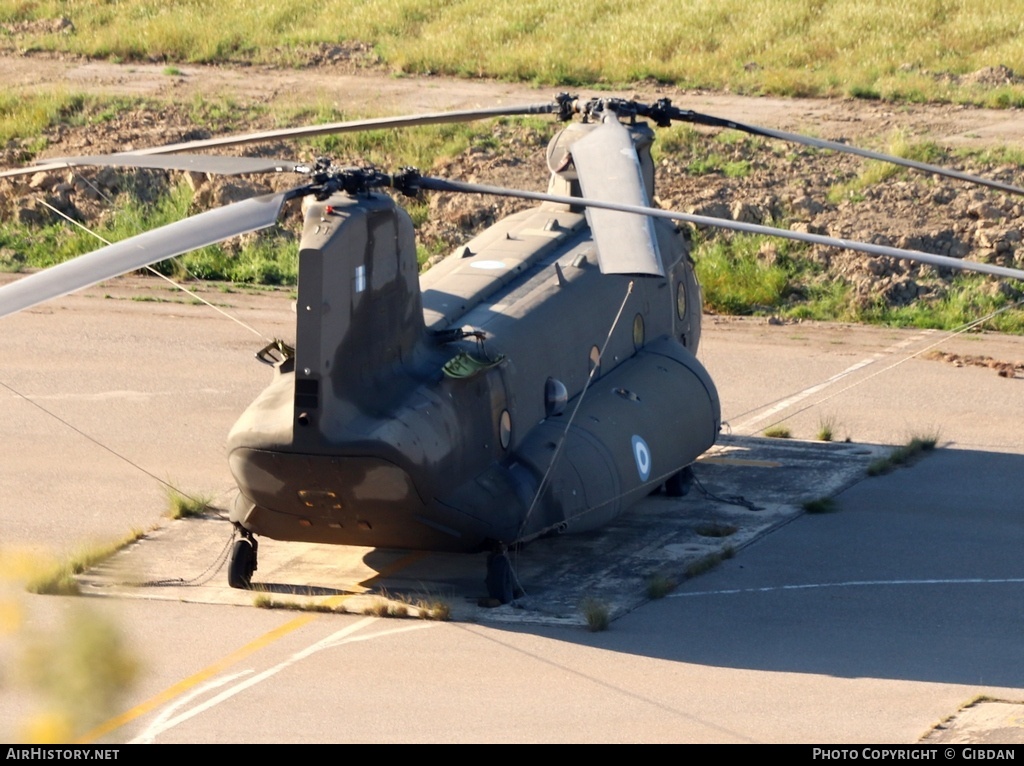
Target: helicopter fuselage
{"points": [[458, 410]]}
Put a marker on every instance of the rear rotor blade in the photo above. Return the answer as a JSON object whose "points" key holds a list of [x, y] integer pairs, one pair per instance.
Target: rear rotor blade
{"points": [[439, 184], [143, 250], [199, 163], [684, 115], [354, 126], [609, 170], [309, 131]]}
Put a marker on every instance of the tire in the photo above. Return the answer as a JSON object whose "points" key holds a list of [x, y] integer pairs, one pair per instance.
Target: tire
{"points": [[499, 580], [678, 484], [241, 565]]}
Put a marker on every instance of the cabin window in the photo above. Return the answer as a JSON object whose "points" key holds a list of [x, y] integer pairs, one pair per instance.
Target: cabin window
{"points": [[505, 429], [681, 300], [638, 332]]}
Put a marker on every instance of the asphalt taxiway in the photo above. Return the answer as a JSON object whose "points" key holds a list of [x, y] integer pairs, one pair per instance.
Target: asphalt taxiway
{"points": [[884, 620]]}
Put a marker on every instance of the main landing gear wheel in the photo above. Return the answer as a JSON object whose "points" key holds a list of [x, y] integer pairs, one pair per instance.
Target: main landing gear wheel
{"points": [[678, 484], [501, 580], [242, 563]]}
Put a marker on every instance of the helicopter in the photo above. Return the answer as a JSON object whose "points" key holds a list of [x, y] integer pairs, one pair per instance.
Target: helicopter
{"points": [[540, 380]]}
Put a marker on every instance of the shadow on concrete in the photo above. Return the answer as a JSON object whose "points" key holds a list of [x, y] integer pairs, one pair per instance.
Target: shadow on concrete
{"points": [[916, 575]]}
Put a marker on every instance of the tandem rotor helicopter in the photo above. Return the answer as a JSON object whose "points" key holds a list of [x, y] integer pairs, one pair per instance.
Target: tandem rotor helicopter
{"points": [[541, 379]]}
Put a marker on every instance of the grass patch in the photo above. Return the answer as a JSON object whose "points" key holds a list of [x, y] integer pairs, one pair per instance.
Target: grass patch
{"points": [[680, 142], [750, 275], [426, 608], [709, 562], [778, 432], [659, 586], [994, 155], [966, 298], [433, 609], [72, 673], [914, 51], [875, 172], [826, 428], [982, 698], [903, 455], [596, 613], [59, 579], [79, 672], [182, 506], [268, 258], [24, 116], [737, 169], [736, 280], [820, 505], [264, 601], [384, 607]]}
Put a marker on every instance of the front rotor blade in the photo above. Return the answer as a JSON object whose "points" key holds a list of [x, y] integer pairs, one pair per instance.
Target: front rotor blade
{"points": [[684, 115], [143, 250], [440, 184], [609, 170]]}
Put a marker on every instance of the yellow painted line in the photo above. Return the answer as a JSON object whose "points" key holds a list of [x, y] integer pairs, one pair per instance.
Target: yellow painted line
{"points": [[741, 461], [253, 646], [184, 685]]}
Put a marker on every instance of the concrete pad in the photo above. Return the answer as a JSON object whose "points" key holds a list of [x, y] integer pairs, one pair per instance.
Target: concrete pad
{"points": [[744, 488]]}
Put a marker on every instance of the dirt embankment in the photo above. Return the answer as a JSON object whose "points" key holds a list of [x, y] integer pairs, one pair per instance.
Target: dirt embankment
{"points": [[764, 182]]}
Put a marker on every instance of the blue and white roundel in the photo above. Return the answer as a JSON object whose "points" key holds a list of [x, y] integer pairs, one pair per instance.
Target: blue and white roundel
{"points": [[642, 455]]}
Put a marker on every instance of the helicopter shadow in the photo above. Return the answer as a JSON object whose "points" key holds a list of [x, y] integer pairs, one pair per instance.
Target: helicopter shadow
{"points": [[915, 575]]}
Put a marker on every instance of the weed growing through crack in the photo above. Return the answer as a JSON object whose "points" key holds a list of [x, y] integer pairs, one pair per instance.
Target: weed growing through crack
{"points": [[660, 586], [182, 506], [778, 432], [263, 601], [903, 455], [433, 609], [826, 429], [379, 608], [821, 505], [59, 579], [596, 613], [709, 562], [424, 608]]}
